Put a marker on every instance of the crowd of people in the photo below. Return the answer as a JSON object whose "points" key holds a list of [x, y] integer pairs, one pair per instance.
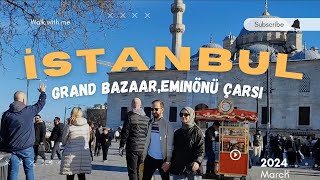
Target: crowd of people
{"points": [[153, 144], [292, 148], [150, 144]]}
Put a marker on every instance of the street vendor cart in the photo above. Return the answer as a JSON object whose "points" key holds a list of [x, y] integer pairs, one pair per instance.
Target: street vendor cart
{"points": [[234, 137]]}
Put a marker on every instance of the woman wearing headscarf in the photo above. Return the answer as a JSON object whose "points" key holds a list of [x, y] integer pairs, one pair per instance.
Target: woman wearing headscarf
{"points": [[76, 157], [188, 148]]}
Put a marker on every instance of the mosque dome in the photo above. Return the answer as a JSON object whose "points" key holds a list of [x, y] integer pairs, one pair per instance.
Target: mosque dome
{"points": [[246, 38], [212, 45], [306, 54], [244, 31], [256, 48], [255, 52], [230, 36], [195, 57]]}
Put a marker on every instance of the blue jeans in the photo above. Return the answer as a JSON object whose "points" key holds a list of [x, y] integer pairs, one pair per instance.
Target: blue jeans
{"points": [[188, 177], [27, 157], [210, 162]]}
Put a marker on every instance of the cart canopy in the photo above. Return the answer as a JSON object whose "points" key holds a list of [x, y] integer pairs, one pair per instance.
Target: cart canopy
{"points": [[237, 115]]}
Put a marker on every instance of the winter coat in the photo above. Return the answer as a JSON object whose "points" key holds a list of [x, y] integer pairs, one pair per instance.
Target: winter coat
{"points": [[56, 134], [134, 131], [257, 140], [17, 130], [76, 158], [98, 136], [208, 139], [290, 146], [40, 133], [105, 137], [188, 147], [166, 139]]}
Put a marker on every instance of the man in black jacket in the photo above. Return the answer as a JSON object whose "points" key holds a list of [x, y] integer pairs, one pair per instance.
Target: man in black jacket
{"points": [[291, 149], [56, 136], [17, 133], [40, 134], [211, 138], [133, 135]]}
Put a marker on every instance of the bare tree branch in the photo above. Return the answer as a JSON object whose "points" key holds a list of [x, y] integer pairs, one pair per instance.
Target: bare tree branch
{"points": [[19, 28]]}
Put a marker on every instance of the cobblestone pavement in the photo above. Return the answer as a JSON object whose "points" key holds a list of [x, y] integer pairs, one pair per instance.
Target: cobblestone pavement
{"points": [[115, 169]]}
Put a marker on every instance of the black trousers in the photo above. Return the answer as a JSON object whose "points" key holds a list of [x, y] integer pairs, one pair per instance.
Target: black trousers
{"points": [[150, 166], [90, 148], [40, 153], [278, 154], [292, 157], [210, 162], [56, 149], [134, 159], [97, 149], [105, 149], [80, 177]]}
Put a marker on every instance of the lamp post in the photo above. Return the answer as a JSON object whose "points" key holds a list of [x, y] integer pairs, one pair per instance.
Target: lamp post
{"points": [[28, 80], [257, 108], [269, 90], [65, 113], [268, 114]]}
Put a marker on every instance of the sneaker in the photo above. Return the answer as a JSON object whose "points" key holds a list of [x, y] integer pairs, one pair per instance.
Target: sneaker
{"points": [[48, 162], [105, 161], [58, 162]]}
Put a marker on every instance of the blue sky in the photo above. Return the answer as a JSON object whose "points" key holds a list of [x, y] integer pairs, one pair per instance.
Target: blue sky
{"points": [[201, 18]]}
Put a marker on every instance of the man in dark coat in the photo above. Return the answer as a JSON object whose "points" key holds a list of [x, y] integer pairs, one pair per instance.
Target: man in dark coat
{"points": [[211, 137], [134, 135], [56, 136], [17, 133], [291, 151], [278, 148], [98, 140], [40, 134]]}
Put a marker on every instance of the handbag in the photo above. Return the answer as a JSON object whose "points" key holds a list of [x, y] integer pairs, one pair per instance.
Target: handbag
{"points": [[41, 148]]}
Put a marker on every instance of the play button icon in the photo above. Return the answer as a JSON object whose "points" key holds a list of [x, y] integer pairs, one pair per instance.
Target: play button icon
{"points": [[235, 154]]}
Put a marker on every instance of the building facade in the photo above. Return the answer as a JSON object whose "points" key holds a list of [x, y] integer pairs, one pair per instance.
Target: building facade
{"points": [[294, 103]]}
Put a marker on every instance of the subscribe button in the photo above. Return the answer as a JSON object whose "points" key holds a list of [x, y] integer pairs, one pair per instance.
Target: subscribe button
{"points": [[282, 24]]}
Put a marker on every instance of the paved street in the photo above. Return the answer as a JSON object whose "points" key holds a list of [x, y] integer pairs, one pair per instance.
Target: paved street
{"points": [[115, 169]]}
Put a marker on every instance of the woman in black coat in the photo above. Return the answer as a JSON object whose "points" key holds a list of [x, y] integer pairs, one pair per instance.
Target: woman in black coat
{"points": [[188, 148]]}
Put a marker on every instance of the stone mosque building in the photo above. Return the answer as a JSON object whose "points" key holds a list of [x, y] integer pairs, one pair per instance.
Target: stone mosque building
{"points": [[294, 104]]}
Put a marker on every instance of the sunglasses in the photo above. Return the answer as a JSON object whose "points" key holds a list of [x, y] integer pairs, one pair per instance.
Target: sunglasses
{"points": [[155, 109], [184, 114]]}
